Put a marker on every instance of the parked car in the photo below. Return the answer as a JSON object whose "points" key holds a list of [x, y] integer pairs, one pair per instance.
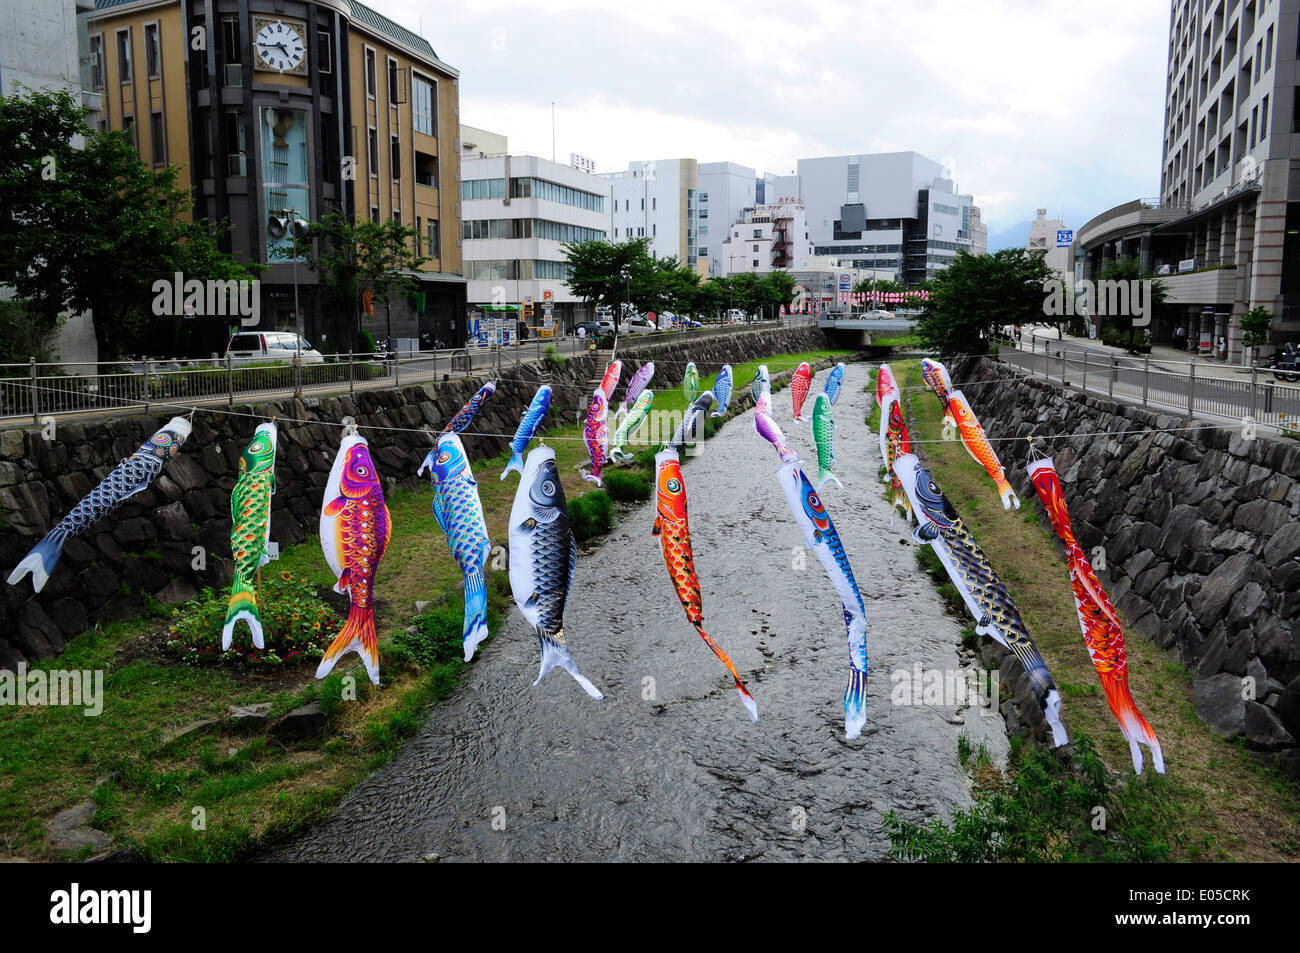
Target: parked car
{"points": [[606, 325], [639, 325], [592, 328], [256, 347]]}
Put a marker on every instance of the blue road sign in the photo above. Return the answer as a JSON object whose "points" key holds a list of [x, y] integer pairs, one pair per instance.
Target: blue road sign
{"points": [[1064, 237]]}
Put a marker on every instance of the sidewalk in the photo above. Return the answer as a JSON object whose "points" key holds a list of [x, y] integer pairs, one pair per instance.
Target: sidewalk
{"points": [[1160, 354]]}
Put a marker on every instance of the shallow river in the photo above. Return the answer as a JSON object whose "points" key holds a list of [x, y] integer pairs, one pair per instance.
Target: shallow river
{"points": [[668, 766]]}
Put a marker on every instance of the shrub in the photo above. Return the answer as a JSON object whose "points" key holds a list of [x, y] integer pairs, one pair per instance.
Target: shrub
{"points": [[553, 356], [627, 487], [297, 626], [591, 515], [437, 636], [366, 342]]}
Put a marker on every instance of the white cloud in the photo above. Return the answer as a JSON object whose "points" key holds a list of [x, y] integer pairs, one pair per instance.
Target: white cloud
{"points": [[1035, 103]]}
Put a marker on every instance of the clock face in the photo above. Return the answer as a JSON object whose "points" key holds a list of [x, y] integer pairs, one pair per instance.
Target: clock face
{"points": [[279, 45]]}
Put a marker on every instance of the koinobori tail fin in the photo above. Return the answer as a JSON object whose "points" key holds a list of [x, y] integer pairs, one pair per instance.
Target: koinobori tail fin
{"points": [[855, 703], [475, 629], [40, 562], [591, 478], [1007, 493], [243, 605], [745, 698], [826, 475], [357, 635], [555, 652], [1135, 728], [516, 465]]}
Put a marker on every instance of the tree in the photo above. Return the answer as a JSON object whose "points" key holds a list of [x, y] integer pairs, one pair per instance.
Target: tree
{"points": [[776, 289], [603, 272], [1255, 325], [351, 258], [84, 224], [1118, 327], [975, 295]]}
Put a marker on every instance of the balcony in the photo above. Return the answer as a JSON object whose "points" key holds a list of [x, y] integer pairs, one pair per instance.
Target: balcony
{"points": [[1215, 287]]}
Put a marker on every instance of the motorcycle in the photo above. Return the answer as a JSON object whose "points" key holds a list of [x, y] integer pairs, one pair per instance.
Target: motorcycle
{"points": [[1285, 367]]}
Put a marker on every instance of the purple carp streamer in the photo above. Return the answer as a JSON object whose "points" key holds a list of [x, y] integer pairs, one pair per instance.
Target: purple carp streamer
{"points": [[970, 571], [596, 435], [129, 477], [639, 382], [465, 416]]}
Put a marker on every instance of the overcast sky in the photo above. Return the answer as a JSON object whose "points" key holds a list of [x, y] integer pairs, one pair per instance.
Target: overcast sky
{"points": [[1031, 102]]}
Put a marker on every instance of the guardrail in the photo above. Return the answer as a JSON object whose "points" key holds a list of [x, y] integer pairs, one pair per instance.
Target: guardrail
{"points": [[34, 390], [1171, 386]]}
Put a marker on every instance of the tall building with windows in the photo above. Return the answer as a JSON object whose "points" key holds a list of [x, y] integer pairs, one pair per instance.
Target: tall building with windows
{"points": [[517, 211], [280, 108], [766, 238], [659, 200], [727, 192], [895, 211], [1042, 237], [1229, 164]]}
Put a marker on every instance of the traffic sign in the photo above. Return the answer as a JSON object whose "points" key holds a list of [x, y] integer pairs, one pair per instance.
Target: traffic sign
{"points": [[547, 295], [1064, 237]]}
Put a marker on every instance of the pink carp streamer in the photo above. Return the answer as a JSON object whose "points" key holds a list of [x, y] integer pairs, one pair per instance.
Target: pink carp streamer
{"points": [[1102, 632]]}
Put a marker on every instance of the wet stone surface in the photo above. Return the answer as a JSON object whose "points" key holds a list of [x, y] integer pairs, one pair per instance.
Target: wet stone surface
{"points": [[673, 769]]}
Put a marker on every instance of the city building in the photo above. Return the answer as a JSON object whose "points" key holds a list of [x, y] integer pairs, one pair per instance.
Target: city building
{"points": [[276, 109], [727, 191], [517, 211], [480, 143], [44, 46], [1042, 237], [894, 211], [766, 238], [1224, 233], [979, 232], [658, 200]]}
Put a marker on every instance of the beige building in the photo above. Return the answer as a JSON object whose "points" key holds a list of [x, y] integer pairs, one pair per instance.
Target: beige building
{"points": [[279, 108], [1042, 237]]}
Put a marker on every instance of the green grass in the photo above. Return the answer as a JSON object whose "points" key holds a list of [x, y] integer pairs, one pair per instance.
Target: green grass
{"points": [[1237, 809], [253, 790]]}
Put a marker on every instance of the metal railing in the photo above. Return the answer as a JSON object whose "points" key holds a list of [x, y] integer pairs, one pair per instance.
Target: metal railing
{"points": [[1169, 386], [33, 390]]}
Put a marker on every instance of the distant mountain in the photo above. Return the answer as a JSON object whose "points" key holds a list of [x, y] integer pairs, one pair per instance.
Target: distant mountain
{"points": [[1013, 236]]}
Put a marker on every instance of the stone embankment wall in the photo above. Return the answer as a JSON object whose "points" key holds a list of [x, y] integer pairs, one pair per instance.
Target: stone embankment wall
{"points": [[146, 548], [1201, 537]]}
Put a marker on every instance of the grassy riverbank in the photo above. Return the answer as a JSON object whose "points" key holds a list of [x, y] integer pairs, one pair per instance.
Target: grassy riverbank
{"points": [[1216, 801], [222, 790]]}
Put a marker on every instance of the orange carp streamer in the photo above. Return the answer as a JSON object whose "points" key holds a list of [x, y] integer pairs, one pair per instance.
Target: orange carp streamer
{"points": [[977, 445], [1102, 633]]}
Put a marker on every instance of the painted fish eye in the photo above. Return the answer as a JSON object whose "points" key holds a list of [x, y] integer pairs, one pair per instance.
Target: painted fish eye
{"points": [[161, 439], [444, 456], [548, 487], [362, 471], [673, 485]]}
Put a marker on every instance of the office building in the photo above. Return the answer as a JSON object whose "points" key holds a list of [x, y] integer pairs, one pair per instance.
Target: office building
{"points": [[893, 211], [658, 200], [727, 191], [766, 238], [295, 108], [517, 211], [1043, 238]]}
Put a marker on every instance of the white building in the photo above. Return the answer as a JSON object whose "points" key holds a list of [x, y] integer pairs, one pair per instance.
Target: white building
{"points": [[44, 45], [658, 200], [767, 238], [726, 193], [979, 232], [893, 211], [516, 214], [1042, 237]]}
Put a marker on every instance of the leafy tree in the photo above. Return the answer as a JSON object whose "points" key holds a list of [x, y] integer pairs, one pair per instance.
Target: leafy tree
{"points": [[977, 294], [603, 272], [85, 224], [23, 334], [776, 289], [1119, 326], [1255, 325], [351, 258]]}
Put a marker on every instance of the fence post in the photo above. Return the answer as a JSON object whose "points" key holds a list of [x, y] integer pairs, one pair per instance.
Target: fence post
{"points": [[297, 377], [147, 391], [397, 369], [1085, 370], [1146, 378], [1252, 391], [230, 380], [1114, 372], [352, 376], [1191, 388], [1062, 364], [36, 407]]}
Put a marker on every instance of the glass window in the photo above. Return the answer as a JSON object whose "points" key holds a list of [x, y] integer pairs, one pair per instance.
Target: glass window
{"points": [[422, 110], [394, 83], [157, 139], [152, 51], [372, 151], [284, 169], [231, 48], [435, 246], [395, 157], [324, 52], [128, 126], [124, 56], [370, 73], [236, 151], [97, 61]]}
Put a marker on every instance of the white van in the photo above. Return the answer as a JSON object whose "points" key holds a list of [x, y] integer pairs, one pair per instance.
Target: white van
{"points": [[280, 347]]}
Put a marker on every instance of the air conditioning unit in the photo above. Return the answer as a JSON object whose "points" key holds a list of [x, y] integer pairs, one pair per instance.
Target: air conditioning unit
{"points": [[234, 75], [236, 164]]}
